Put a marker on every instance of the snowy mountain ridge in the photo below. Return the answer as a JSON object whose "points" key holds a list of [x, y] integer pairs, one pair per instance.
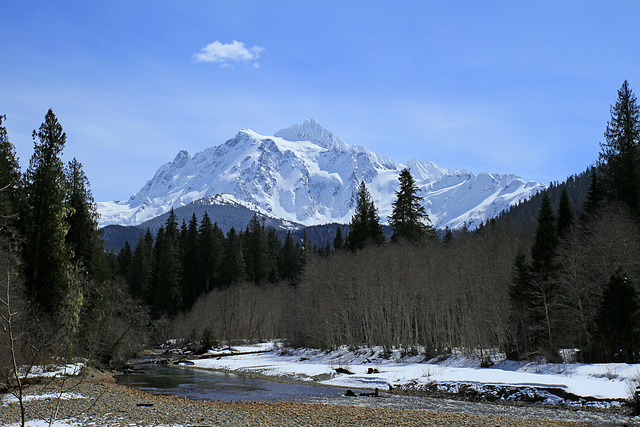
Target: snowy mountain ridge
{"points": [[306, 174]]}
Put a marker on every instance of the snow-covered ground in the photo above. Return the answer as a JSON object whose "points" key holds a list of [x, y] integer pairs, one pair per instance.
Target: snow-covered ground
{"points": [[370, 369]]}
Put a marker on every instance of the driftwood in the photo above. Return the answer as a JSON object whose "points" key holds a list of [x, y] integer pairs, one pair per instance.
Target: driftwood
{"points": [[376, 393]]}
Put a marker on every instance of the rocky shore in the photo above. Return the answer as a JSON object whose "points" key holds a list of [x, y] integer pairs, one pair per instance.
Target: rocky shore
{"points": [[97, 401]]}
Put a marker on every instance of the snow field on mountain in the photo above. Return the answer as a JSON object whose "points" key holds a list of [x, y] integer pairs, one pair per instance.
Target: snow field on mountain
{"points": [[601, 381], [308, 175]]}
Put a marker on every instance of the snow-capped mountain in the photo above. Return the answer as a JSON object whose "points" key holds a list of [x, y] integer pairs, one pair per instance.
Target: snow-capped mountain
{"points": [[308, 175]]}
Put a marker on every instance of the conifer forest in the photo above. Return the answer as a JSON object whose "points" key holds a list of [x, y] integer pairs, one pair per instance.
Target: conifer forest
{"points": [[558, 271]]}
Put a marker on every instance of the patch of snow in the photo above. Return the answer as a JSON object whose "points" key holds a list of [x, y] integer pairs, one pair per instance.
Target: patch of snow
{"points": [[9, 398], [372, 369]]}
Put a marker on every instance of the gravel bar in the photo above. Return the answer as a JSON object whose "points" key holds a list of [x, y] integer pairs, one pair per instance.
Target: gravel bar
{"points": [[108, 404]]}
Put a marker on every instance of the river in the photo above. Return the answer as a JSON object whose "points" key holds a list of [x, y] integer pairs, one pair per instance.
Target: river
{"points": [[201, 384]]}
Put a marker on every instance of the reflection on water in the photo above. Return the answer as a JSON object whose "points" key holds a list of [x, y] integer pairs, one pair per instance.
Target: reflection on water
{"points": [[210, 385]]}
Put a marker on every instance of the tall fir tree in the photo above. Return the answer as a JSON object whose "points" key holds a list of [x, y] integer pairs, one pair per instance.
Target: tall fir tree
{"points": [[542, 288], [125, 259], [257, 257], [190, 263], [290, 259], [545, 243], [274, 251], [409, 220], [84, 237], [168, 269], [140, 277], [594, 195], [10, 180], [50, 274], [617, 320], [338, 240], [210, 255], [365, 225], [234, 266], [565, 214], [519, 308], [620, 153]]}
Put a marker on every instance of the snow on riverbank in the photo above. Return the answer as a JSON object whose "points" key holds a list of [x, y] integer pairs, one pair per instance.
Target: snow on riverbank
{"points": [[370, 369]]}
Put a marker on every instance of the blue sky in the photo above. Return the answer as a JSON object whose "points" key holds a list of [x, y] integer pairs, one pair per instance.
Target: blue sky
{"points": [[507, 87]]}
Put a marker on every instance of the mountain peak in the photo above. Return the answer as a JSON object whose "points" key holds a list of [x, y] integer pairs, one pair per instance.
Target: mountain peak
{"points": [[306, 174], [312, 131], [181, 159]]}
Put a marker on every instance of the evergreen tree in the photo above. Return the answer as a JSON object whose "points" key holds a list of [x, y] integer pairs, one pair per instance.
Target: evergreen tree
{"points": [[140, 276], [520, 303], [365, 225], [234, 270], [448, 236], [274, 249], [210, 255], [617, 320], [565, 214], [620, 155], [594, 195], [84, 237], [125, 259], [409, 220], [541, 289], [338, 241], [190, 263], [290, 260], [10, 182], [50, 274], [257, 256], [168, 269], [545, 243]]}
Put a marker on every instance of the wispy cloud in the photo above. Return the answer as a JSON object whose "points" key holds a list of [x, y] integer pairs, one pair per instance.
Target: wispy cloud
{"points": [[227, 53]]}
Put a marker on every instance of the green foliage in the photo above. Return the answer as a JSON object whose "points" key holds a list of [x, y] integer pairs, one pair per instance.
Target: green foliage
{"points": [[10, 182], [565, 214], [365, 227], [210, 255], [235, 270], [291, 261], [338, 240], [546, 239], [619, 158], [409, 220], [47, 257], [259, 260], [140, 275], [617, 320], [168, 270], [594, 197], [83, 237], [190, 262]]}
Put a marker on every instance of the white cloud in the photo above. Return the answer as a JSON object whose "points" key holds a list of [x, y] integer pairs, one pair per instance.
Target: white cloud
{"points": [[227, 53]]}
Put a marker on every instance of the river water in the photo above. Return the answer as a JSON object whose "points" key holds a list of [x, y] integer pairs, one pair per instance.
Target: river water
{"points": [[201, 384]]}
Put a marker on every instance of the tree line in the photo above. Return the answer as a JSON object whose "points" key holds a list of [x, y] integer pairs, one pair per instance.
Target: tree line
{"points": [[169, 272]]}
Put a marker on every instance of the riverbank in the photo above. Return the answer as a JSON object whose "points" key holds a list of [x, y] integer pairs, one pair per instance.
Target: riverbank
{"points": [[97, 401]]}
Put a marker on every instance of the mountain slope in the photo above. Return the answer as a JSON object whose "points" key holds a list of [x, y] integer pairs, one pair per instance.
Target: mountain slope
{"points": [[308, 175]]}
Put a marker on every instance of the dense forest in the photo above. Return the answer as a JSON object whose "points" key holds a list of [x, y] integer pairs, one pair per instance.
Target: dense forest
{"points": [[559, 271]]}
